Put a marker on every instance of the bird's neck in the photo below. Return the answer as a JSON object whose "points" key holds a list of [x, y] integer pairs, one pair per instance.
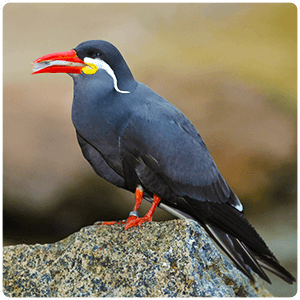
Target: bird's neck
{"points": [[95, 110], [125, 78]]}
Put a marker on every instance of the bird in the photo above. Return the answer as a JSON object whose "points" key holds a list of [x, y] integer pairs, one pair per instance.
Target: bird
{"points": [[138, 141]]}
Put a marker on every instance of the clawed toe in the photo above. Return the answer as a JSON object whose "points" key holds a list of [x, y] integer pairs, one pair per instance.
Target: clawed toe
{"points": [[137, 222]]}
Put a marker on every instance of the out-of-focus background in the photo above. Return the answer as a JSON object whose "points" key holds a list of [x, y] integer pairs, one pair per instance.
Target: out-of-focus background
{"points": [[231, 69]]}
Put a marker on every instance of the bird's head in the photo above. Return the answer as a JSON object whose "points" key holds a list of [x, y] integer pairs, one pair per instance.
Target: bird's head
{"points": [[86, 60]]}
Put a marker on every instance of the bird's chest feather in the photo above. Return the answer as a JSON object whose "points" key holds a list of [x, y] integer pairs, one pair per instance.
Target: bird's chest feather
{"points": [[100, 122]]}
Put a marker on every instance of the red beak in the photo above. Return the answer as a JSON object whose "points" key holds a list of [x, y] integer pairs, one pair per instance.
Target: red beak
{"points": [[60, 62]]}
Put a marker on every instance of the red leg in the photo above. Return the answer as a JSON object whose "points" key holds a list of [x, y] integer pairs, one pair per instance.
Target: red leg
{"points": [[138, 199], [147, 218]]}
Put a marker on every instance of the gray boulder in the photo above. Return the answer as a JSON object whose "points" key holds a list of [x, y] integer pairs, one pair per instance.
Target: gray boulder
{"points": [[158, 259]]}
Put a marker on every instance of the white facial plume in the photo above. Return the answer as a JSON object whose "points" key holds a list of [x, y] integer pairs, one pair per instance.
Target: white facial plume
{"points": [[94, 64]]}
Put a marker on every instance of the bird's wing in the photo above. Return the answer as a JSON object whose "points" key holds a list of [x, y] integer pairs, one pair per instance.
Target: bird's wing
{"points": [[216, 211], [171, 147], [168, 154]]}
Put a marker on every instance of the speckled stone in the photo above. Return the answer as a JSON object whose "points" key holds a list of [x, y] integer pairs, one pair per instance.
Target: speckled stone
{"points": [[158, 259]]}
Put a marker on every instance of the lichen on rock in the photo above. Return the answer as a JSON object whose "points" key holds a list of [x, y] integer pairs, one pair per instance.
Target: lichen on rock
{"points": [[157, 259]]}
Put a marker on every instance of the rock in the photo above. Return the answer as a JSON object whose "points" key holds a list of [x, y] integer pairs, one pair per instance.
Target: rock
{"points": [[158, 259]]}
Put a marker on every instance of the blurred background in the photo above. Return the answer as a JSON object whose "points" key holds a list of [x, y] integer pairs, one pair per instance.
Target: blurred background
{"points": [[230, 68]]}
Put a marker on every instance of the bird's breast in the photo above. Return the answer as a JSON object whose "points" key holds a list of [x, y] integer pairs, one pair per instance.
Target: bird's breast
{"points": [[101, 126]]}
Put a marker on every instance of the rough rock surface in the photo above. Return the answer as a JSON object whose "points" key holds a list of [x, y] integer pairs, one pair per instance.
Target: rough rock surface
{"points": [[159, 259]]}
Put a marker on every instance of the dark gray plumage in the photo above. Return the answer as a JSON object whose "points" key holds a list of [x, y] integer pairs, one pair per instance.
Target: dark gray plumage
{"points": [[133, 137]]}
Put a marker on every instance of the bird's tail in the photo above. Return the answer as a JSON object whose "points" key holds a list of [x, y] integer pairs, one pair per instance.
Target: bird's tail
{"points": [[244, 257]]}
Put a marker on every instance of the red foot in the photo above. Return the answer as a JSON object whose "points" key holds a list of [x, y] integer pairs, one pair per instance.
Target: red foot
{"points": [[137, 222], [131, 218], [113, 222], [147, 218], [134, 221]]}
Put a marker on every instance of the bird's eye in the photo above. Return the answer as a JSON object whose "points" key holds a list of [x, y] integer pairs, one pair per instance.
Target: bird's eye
{"points": [[94, 54]]}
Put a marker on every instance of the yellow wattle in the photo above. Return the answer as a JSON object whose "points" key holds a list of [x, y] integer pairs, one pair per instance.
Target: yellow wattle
{"points": [[90, 69]]}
